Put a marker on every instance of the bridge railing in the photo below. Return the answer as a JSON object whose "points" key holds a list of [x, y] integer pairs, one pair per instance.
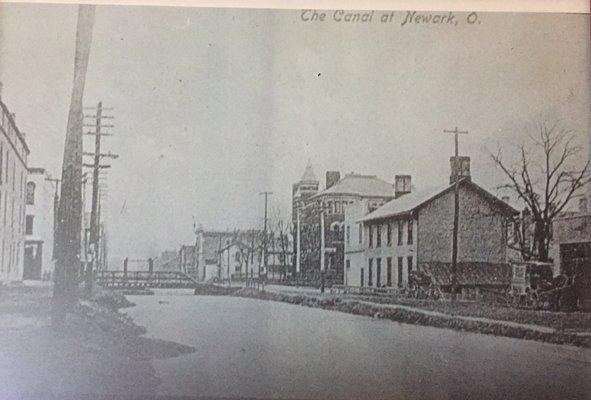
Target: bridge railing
{"points": [[144, 279]]}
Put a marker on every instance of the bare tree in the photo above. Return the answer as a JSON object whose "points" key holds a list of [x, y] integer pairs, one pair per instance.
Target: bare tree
{"points": [[283, 230], [547, 173]]}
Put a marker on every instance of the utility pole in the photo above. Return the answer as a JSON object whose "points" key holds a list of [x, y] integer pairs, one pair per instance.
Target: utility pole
{"points": [[56, 203], [96, 169], [298, 248], [322, 249], [454, 248], [266, 194], [70, 206]]}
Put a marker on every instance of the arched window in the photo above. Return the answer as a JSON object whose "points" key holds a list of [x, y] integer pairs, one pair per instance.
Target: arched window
{"points": [[335, 227], [30, 193]]}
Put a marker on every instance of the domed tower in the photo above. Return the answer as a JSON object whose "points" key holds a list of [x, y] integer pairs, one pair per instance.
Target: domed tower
{"points": [[306, 187]]}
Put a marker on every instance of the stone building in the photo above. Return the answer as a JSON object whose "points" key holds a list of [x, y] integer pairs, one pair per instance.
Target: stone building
{"points": [[13, 174], [41, 207], [324, 211], [414, 231]]}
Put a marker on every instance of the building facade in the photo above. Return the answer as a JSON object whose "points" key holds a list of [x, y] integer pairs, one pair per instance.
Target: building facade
{"points": [[13, 176], [414, 232], [209, 248], [168, 260], [41, 207], [319, 220]]}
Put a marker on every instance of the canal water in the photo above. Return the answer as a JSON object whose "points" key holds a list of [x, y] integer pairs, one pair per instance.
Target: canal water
{"points": [[260, 349]]}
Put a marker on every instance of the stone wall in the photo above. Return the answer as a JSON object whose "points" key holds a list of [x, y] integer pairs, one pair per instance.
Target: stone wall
{"points": [[481, 234]]}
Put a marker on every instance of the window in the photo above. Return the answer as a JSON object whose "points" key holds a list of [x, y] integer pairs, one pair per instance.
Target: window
{"points": [[389, 234], [370, 236], [399, 271], [379, 235], [362, 282], [30, 193], [409, 265], [400, 227], [335, 228], [389, 271], [348, 234], [378, 272], [410, 225], [360, 227], [29, 225], [370, 271]]}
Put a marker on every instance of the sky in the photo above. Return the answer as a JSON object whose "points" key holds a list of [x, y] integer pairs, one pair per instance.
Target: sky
{"points": [[214, 106]]}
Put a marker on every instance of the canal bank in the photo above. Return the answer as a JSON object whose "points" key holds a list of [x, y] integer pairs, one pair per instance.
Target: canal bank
{"points": [[425, 317], [99, 352]]}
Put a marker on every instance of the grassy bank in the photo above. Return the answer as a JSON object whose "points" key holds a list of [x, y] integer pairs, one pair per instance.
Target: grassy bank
{"points": [[100, 351], [562, 321], [423, 317]]}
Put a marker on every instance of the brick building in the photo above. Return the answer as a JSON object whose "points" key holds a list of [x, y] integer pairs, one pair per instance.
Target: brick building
{"points": [[319, 220], [13, 175], [414, 231], [41, 207]]}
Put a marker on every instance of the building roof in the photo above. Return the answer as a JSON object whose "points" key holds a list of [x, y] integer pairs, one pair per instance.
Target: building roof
{"points": [[309, 175], [214, 241], [417, 199], [19, 134], [359, 185], [468, 273]]}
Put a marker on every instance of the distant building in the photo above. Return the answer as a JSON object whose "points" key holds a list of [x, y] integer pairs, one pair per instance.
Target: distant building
{"points": [[167, 261], [301, 191], [237, 260], [39, 225], [13, 175], [209, 251], [324, 211], [187, 259], [571, 244], [414, 232]]}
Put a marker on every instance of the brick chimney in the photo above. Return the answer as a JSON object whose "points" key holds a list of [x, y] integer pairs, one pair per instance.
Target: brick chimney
{"points": [[460, 168], [401, 185], [332, 177], [506, 199]]}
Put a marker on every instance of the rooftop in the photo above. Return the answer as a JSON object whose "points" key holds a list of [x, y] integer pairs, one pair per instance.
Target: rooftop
{"points": [[411, 201], [360, 185], [309, 175], [10, 119]]}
